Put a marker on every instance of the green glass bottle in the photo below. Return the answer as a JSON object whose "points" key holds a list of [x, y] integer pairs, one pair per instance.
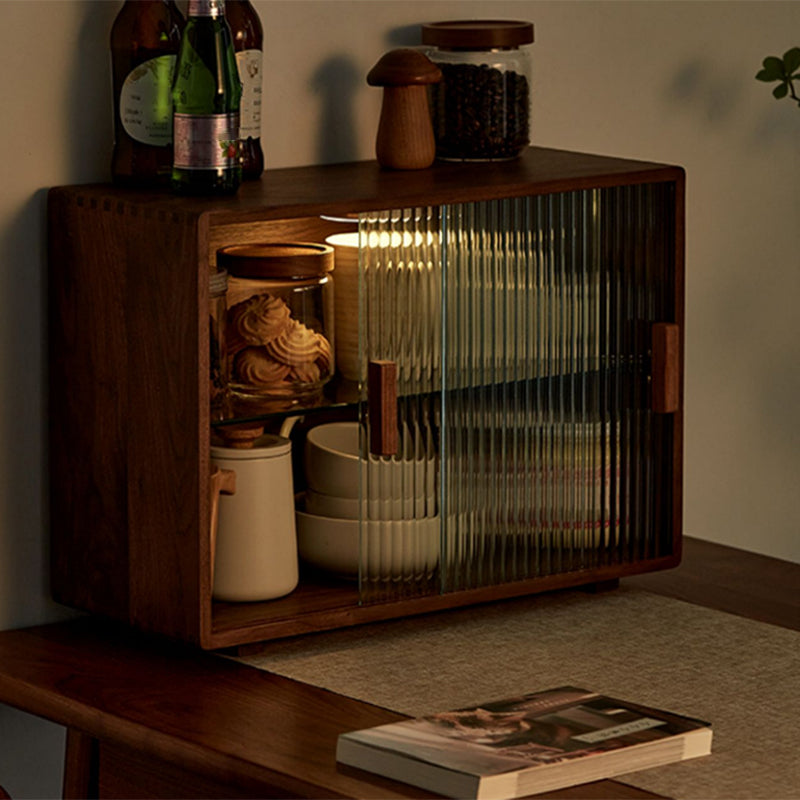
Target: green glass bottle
{"points": [[206, 95]]}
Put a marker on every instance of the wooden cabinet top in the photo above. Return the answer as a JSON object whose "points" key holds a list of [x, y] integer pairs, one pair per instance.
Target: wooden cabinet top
{"points": [[364, 186]]}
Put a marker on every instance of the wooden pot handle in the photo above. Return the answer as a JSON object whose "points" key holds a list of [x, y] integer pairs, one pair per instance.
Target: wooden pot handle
{"points": [[223, 481]]}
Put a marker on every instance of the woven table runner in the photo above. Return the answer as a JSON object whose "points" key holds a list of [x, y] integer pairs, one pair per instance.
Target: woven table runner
{"points": [[742, 676]]}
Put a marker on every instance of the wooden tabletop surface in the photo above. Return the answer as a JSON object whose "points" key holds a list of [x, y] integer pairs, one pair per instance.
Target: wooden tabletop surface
{"points": [[250, 729]]}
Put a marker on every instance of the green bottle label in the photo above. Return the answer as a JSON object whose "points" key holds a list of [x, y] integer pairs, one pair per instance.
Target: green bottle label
{"points": [[206, 141], [145, 101]]}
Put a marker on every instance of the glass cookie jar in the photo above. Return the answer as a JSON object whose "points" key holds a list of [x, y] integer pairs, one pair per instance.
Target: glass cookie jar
{"points": [[279, 323], [218, 354], [481, 108]]}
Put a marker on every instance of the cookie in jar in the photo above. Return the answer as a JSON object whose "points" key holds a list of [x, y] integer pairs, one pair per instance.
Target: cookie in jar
{"points": [[279, 323]]}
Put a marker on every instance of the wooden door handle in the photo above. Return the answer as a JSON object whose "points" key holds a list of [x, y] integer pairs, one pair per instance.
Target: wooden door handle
{"points": [[382, 407], [666, 368]]}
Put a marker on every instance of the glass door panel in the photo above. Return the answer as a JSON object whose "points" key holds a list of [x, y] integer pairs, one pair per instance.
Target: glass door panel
{"points": [[520, 330], [400, 320]]}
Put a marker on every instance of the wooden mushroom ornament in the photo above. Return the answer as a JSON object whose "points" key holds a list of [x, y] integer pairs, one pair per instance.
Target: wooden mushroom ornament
{"points": [[405, 131]]}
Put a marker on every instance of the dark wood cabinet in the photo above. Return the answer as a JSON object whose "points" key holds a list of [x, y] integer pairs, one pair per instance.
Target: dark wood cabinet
{"points": [[130, 425]]}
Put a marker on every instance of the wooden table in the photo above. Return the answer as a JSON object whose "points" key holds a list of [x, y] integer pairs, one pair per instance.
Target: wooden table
{"points": [[147, 718]]}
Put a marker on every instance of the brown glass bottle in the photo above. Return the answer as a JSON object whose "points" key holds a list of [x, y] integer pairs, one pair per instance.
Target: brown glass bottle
{"points": [[248, 41], [145, 38]]}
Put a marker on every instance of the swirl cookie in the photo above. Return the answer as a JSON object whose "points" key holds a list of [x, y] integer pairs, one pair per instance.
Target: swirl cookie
{"points": [[257, 321], [295, 346], [254, 367]]}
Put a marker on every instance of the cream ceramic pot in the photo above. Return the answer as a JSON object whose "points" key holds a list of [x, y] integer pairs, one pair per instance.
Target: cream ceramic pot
{"points": [[255, 557]]}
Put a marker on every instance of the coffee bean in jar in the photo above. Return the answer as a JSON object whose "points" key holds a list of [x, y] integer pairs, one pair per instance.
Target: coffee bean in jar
{"points": [[481, 108]]}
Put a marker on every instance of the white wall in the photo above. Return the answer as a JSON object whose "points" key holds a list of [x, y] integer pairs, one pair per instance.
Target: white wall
{"points": [[664, 81]]}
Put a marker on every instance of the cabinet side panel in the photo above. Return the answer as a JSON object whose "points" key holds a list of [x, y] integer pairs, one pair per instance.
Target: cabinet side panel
{"points": [[165, 500], [680, 319], [87, 406]]}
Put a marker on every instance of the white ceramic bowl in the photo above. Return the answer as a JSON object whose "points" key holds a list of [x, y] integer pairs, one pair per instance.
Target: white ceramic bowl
{"points": [[327, 505], [398, 549], [333, 460], [398, 508], [396, 487]]}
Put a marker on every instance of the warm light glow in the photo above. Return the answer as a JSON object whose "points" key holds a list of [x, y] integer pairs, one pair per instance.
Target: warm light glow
{"points": [[382, 239]]}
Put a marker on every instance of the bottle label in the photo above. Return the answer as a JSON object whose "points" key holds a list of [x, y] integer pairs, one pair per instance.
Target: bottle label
{"points": [[145, 101], [206, 141], [249, 64], [205, 8]]}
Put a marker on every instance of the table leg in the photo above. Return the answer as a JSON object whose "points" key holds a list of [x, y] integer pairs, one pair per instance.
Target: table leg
{"points": [[80, 766]]}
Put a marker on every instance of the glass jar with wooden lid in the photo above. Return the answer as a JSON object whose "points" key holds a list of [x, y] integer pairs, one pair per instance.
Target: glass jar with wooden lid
{"points": [[481, 107], [279, 323]]}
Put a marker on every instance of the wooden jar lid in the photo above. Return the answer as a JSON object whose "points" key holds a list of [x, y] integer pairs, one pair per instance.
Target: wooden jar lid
{"points": [[478, 34], [276, 259]]}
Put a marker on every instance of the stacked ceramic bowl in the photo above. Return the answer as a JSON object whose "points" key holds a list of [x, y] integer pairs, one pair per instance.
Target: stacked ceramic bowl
{"points": [[367, 516]]}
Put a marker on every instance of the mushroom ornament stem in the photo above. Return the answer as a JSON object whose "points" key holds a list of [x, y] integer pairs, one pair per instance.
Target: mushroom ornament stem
{"points": [[405, 137]]}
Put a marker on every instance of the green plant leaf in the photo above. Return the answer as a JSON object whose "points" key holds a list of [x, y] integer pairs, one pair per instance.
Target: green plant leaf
{"points": [[791, 60], [780, 91], [773, 70]]}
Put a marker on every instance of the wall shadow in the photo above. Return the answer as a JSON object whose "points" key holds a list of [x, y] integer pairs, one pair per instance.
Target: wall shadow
{"points": [[24, 497], [24, 516], [404, 36], [89, 104], [706, 89], [336, 81], [715, 96]]}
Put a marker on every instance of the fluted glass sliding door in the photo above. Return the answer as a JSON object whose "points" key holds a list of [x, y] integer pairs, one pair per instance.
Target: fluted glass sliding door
{"points": [[521, 334]]}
